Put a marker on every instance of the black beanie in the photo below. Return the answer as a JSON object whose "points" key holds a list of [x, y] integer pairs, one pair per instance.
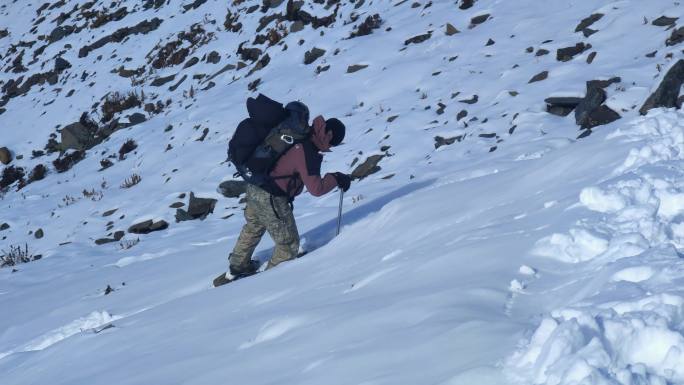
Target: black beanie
{"points": [[337, 129]]}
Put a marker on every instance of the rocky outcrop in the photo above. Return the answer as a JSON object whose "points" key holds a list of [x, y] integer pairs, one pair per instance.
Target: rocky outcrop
{"points": [[119, 35], [148, 226], [198, 208], [667, 93], [5, 155], [232, 188], [368, 167]]}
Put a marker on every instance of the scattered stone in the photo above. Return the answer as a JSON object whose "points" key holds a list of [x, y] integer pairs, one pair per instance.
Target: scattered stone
{"points": [[119, 35], [594, 97], [667, 93], [77, 136], [441, 141], [148, 226], [312, 55], [232, 188], [472, 100], [676, 37], [10, 175], [586, 22], [465, 4], [542, 52], [367, 27], [588, 32], [4, 226], [561, 106], [664, 21], [392, 118], [600, 116], [213, 57], [5, 155], [418, 39], [296, 26], [109, 212], [39, 234], [477, 20], [160, 81], [591, 57], [368, 167], [567, 53], [108, 290], [177, 205], [193, 60], [356, 67], [61, 65], [136, 118], [539, 77], [451, 30], [198, 208], [462, 114]]}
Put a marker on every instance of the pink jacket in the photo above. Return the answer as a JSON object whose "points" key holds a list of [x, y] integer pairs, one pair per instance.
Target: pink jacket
{"points": [[303, 161]]}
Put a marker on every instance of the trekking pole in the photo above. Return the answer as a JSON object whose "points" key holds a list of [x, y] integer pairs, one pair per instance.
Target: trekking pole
{"points": [[339, 213]]}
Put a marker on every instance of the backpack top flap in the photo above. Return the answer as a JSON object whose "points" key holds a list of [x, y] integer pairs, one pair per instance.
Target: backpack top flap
{"points": [[265, 111]]}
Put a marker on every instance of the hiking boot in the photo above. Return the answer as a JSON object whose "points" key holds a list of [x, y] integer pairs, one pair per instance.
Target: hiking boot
{"points": [[249, 268], [221, 280]]}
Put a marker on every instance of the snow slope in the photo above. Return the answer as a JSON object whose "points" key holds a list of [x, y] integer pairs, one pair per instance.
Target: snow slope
{"points": [[516, 254]]}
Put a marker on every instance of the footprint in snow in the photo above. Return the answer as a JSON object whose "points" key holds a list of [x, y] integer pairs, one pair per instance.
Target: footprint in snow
{"points": [[274, 329]]}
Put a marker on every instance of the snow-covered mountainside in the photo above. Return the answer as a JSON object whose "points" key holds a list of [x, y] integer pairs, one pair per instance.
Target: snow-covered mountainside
{"points": [[517, 213]]}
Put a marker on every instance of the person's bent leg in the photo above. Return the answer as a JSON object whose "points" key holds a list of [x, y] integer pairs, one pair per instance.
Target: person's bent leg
{"points": [[252, 231], [282, 228]]}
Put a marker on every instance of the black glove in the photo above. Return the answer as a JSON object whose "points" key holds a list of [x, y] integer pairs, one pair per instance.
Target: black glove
{"points": [[343, 181]]}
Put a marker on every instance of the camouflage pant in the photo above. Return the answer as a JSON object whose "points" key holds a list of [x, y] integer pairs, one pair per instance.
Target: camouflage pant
{"points": [[265, 212]]}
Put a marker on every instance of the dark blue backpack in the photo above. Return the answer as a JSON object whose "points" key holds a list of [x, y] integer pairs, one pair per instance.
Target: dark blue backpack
{"points": [[260, 140]]}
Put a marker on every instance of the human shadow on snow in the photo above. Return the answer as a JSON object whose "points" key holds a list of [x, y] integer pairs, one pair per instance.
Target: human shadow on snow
{"points": [[324, 233]]}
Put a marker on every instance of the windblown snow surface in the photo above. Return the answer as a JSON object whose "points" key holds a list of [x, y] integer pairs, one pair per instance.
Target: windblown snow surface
{"points": [[517, 254]]}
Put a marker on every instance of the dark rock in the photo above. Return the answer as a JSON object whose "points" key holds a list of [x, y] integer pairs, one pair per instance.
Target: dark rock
{"points": [[4, 226], [566, 54], [118, 235], [594, 97], [588, 32], [177, 205], [541, 52], [198, 208], [477, 20], [158, 82], [232, 188], [137, 118], [367, 27], [676, 37], [604, 83], [249, 54], [61, 65], [77, 136], [193, 60], [109, 212], [561, 106], [147, 227], [213, 57], [5, 155], [588, 21], [462, 114], [472, 100], [664, 21], [225, 68], [108, 290], [539, 77], [356, 67], [440, 141], [465, 4], [368, 167], [60, 33], [668, 91], [39, 234], [600, 116], [312, 55], [591, 57], [194, 5], [418, 39], [451, 30], [119, 35]]}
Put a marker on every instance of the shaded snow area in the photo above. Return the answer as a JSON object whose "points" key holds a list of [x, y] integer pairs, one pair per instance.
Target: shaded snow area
{"points": [[518, 216]]}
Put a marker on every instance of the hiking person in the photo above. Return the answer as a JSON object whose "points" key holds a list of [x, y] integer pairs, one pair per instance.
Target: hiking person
{"points": [[270, 196]]}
